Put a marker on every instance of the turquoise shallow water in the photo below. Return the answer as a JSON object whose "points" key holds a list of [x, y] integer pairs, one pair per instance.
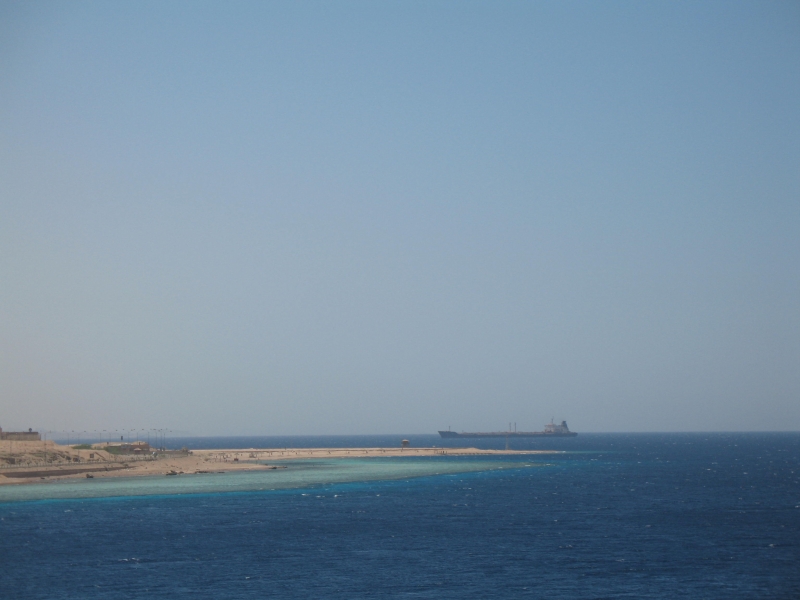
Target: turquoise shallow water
{"points": [[297, 474], [618, 516]]}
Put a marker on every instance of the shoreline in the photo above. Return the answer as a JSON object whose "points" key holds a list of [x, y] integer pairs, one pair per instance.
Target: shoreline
{"points": [[211, 461]]}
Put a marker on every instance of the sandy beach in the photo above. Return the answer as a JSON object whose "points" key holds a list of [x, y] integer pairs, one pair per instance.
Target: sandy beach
{"points": [[36, 462]]}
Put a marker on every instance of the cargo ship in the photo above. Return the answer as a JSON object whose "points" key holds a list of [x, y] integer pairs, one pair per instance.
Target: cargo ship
{"points": [[550, 430]]}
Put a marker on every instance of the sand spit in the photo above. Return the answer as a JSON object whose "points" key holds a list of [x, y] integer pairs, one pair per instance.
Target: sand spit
{"points": [[276, 454], [36, 462]]}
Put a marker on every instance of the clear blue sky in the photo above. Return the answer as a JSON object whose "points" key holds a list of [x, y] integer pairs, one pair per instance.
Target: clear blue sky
{"points": [[378, 217]]}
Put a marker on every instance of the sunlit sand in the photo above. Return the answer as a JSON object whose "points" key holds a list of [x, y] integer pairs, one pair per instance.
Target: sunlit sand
{"points": [[37, 462]]}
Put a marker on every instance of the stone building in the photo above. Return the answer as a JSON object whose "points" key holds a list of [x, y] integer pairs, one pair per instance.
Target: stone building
{"points": [[20, 436]]}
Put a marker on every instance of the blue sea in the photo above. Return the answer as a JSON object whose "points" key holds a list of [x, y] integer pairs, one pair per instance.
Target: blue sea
{"points": [[608, 516]]}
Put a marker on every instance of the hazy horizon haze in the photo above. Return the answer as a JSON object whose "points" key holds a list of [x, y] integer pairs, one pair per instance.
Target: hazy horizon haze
{"points": [[341, 218]]}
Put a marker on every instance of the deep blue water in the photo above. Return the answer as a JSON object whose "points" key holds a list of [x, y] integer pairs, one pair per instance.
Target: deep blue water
{"points": [[636, 516]]}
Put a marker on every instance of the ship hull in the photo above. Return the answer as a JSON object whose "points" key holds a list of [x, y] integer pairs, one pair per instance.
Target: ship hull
{"points": [[505, 434]]}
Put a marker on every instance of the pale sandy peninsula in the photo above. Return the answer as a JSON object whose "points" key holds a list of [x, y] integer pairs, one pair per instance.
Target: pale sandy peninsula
{"points": [[36, 462]]}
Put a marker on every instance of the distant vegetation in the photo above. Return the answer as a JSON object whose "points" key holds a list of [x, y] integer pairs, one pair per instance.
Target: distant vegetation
{"points": [[82, 447]]}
